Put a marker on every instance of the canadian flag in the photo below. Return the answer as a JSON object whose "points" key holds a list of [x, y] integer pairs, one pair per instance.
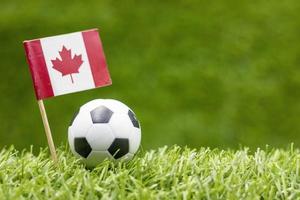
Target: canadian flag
{"points": [[67, 63]]}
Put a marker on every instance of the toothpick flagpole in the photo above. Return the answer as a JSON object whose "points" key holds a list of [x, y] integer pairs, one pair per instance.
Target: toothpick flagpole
{"points": [[47, 130]]}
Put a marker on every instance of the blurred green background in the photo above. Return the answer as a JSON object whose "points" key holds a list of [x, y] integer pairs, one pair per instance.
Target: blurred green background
{"points": [[197, 73]]}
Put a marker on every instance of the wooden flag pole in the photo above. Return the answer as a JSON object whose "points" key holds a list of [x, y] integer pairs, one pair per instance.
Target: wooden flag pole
{"points": [[47, 130]]}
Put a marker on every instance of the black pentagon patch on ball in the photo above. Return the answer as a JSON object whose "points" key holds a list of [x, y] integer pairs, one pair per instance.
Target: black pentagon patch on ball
{"points": [[82, 147], [101, 114], [119, 147], [133, 119]]}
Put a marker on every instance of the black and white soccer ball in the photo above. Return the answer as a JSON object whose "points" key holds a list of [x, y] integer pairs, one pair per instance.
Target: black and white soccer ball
{"points": [[104, 128]]}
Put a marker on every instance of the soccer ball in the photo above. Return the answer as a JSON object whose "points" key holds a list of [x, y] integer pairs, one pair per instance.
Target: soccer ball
{"points": [[104, 128]]}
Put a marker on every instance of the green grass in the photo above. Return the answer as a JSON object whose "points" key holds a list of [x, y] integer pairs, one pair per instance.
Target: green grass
{"points": [[165, 173]]}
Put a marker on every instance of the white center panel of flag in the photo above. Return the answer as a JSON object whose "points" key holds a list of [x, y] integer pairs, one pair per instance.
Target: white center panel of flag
{"points": [[52, 46]]}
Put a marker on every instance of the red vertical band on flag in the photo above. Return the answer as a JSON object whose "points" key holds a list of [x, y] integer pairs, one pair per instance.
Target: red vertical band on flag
{"points": [[38, 69], [96, 57]]}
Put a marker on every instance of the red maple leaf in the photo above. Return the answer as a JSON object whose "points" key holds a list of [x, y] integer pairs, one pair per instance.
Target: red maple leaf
{"points": [[67, 65]]}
